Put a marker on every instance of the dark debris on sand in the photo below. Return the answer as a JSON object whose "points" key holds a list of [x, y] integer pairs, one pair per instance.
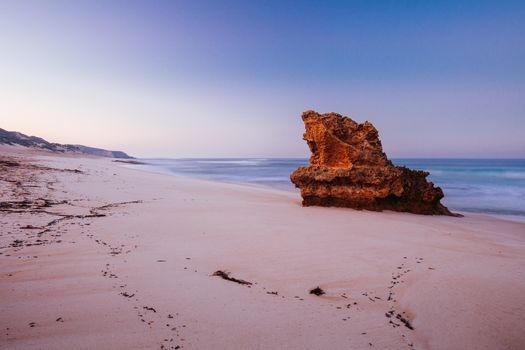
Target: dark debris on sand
{"points": [[226, 276], [317, 291]]}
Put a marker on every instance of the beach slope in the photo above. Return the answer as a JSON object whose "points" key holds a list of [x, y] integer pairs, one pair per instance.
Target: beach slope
{"points": [[95, 255]]}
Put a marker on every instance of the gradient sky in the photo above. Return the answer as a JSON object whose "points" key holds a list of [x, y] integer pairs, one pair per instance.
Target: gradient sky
{"points": [[231, 78]]}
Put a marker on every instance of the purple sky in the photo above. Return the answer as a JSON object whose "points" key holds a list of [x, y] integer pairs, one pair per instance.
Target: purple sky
{"points": [[231, 78]]}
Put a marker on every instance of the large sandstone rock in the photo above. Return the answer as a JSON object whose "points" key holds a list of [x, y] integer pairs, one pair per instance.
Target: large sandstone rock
{"points": [[348, 168]]}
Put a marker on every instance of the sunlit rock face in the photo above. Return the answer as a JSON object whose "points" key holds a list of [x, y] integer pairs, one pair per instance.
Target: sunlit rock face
{"points": [[348, 168]]}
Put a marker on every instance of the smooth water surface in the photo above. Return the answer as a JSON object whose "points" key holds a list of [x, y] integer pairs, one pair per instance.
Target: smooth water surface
{"points": [[490, 186]]}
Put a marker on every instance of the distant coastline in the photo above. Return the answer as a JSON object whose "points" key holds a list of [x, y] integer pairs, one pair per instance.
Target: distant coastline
{"points": [[17, 138]]}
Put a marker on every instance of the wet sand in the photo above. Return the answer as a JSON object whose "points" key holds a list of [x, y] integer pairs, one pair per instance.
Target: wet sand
{"points": [[94, 255]]}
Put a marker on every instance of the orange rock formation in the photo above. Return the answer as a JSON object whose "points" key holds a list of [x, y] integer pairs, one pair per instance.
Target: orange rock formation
{"points": [[348, 168]]}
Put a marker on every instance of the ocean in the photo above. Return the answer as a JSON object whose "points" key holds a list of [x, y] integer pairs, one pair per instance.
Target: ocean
{"points": [[488, 186]]}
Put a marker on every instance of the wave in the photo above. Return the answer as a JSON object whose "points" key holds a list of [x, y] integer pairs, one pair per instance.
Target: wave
{"points": [[238, 162]]}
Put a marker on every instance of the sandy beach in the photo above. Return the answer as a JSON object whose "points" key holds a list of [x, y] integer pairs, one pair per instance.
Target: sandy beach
{"points": [[96, 255]]}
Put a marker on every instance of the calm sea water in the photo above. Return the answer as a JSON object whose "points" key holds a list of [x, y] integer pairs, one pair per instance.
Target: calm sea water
{"points": [[490, 186]]}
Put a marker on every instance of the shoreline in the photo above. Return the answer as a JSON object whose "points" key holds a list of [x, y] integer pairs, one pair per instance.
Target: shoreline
{"points": [[129, 264], [157, 170]]}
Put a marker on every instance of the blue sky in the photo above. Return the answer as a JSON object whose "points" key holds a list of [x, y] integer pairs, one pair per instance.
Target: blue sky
{"points": [[231, 78]]}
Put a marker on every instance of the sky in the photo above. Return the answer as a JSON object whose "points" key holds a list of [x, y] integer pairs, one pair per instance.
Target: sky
{"points": [[231, 78]]}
